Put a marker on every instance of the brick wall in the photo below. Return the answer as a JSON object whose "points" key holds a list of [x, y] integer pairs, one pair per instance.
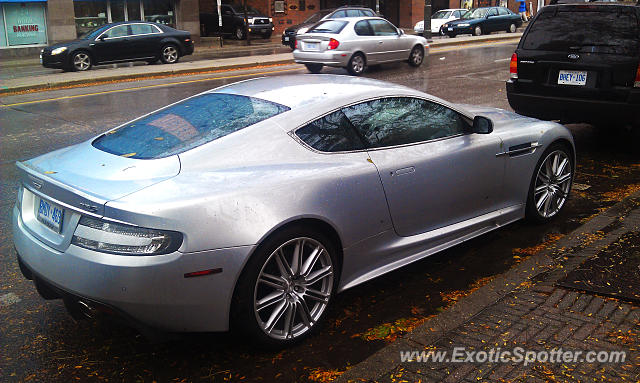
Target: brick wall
{"points": [[292, 15]]}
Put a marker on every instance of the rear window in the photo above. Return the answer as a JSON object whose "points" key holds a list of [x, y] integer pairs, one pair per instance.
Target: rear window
{"points": [[329, 26], [590, 30], [186, 125]]}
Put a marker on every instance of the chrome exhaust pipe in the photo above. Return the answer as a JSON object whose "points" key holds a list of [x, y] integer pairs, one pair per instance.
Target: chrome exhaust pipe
{"points": [[79, 310]]}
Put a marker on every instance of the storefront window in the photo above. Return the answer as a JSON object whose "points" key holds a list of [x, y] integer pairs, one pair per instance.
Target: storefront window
{"points": [[25, 23], [133, 10], [89, 14], [3, 35], [159, 11]]}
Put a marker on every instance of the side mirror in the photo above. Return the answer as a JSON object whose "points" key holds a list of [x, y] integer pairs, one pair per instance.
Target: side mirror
{"points": [[400, 32], [482, 125], [102, 37]]}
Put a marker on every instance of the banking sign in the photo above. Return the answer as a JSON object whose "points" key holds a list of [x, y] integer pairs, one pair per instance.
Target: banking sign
{"points": [[25, 23]]}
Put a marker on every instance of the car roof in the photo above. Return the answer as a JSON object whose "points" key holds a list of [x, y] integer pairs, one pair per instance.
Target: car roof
{"points": [[313, 90]]}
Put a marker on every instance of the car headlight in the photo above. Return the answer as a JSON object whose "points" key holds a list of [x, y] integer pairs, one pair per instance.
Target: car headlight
{"points": [[445, 25], [301, 31], [271, 19], [57, 51], [463, 25], [115, 238]]}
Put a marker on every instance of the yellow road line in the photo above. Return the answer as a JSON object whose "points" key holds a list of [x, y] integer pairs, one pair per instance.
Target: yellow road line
{"points": [[148, 86], [434, 50]]}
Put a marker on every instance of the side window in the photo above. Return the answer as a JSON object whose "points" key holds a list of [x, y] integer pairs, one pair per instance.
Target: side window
{"points": [[503, 11], [404, 120], [142, 29], [362, 28], [493, 12], [331, 133], [382, 28], [367, 13], [457, 14], [353, 13], [339, 14], [119, 31]]}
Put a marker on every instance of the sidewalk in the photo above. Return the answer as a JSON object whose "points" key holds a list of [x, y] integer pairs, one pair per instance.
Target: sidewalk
{"points": [[205, 59], [525, 307]]}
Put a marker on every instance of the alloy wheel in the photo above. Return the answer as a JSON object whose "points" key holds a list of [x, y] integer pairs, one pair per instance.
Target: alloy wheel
{"points": [[357, 64], [170, 54], [512, 28], [81, 61], [552, 185], [293, 288], [416, 56]]}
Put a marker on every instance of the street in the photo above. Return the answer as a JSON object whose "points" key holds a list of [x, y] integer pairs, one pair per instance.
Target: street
{"points": [[41, 342]]}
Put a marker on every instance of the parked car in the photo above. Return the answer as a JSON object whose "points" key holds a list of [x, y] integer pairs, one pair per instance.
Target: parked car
{"points": [[478, 21], [353, 43], [439, 18], [185, 219], [289, 34], [119, 42], [233, 22], [579, 63]]}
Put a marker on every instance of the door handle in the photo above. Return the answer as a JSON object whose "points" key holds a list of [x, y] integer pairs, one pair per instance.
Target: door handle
{"points": [[379, 42], [403, 171]]}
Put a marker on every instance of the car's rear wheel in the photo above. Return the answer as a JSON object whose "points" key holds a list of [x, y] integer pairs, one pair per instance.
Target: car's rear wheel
{"points": [[477, 31], [240, 33], [169, 54], [286, 287], [314, 68], [81, 61], [357, 64], [550, 183], [512, 28], [416, 57]]}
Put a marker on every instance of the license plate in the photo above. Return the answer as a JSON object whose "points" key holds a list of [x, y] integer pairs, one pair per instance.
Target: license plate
{"points": [[311, 46], [450, 29], [286, 38], [50, 215], [572, 77]]}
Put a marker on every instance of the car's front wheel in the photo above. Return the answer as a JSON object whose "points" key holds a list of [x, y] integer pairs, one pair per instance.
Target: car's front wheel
{"points": [[286, 287], [357, 64], [550, 184], [512, 28], [477, 31], [81, 61], [416, 57], [452, 35], [240, 33], [169, 54], [314, 68]]}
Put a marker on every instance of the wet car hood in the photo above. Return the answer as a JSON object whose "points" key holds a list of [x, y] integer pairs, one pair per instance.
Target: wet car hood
{"points": [[466, 21]]}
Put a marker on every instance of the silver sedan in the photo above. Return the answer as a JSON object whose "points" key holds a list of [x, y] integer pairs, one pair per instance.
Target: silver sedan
{"points": [[353, 43], [253, 204]]}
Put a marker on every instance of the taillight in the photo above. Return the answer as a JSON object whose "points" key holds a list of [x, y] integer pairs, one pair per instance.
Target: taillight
{"points": [[333, 44], [513, 66], [295, 45], [636, 84]]}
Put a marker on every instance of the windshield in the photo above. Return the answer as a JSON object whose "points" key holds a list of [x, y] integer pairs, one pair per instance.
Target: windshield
{"points": [[316, 17], [441, 15], [92, 34], [186, 125], [589, 30], [476, 13], [329, 26]]}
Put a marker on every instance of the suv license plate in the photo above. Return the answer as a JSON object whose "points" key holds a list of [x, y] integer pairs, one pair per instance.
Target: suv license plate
{"points": [[50, 215], [572, 77]]}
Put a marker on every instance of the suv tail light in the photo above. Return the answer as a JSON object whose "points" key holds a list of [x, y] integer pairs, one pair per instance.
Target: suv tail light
{"points": [[513, 66], [333, 44], [295, 45], [636, 84]]}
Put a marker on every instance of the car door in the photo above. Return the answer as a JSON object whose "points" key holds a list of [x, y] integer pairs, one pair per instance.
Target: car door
{"points": [[390, 46], [145, 40], [492, 22], [228, 19], [433, 171], [113, 44], [367, 42]]}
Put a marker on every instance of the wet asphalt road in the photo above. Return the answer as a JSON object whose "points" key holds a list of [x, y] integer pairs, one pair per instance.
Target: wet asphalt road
{"points": [[40, 342]]}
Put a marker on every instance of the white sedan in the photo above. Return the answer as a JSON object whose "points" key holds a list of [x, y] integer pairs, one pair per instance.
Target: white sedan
{"points": [[439, 18]]}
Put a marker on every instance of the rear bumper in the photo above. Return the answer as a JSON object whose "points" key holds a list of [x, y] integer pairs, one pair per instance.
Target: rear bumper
{"points": [[332, 58], [148, 290], [566, 109]]}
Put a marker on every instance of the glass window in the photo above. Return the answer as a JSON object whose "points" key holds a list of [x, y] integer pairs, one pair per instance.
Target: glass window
{"points": [[186, 125], [332, 133], [493, 12], [329, 26], [367, 13], [382, 28], [441, 15], [476, 13], [133, 10], [159, 11], [362, 28], [593, 29], [89, 15], [3, 35], [503, 11], [339, 14], [457, 14], [119, 31], [404, 120], [353, 13], [25, 23], [141, 29]]}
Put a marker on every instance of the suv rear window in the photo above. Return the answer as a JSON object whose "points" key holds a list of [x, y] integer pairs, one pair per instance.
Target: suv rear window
{"points": [[589, 29], [329, 26], [186, 125]]}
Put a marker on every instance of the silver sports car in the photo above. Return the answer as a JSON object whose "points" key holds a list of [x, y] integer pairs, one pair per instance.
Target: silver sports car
{"points": [[253, 204]]}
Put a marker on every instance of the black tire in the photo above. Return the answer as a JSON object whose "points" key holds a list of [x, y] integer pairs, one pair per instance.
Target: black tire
{"points": [[452, 35], [169, 54], [357, 64], [314, 68], [512, 28], [477, 31], [441, 32], [240, 35], [247, 319], [532, 212], [80, 61], [416, 57]]}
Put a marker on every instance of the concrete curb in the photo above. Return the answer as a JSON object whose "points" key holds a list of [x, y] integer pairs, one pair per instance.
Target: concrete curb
{"points": [[435, 328], [166, 70]]}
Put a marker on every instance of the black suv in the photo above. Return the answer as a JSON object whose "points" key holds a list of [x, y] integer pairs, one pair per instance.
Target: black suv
{"points": [[289, 35], [579, 63], [233, 22]]}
